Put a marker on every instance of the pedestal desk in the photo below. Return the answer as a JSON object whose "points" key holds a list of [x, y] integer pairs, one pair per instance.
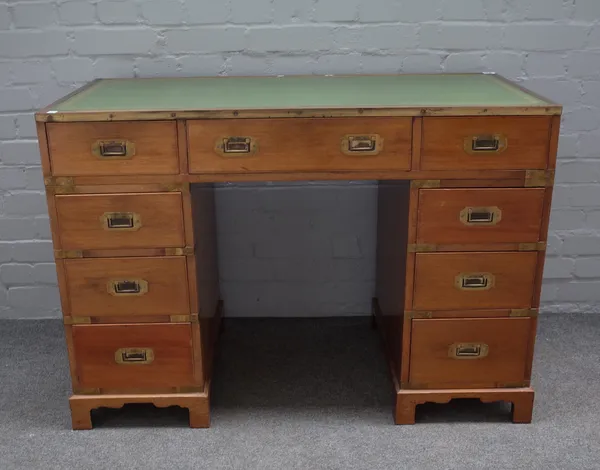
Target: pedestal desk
{"points": [[465, 165]]}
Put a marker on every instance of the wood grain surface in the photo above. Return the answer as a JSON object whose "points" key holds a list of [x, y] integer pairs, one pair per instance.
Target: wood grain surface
{"points": [[71, 148], [88, 286], [432, 367], [81, 225], [298, 144], [439, 219], [95, 347], [527, 138], [435, 280]]}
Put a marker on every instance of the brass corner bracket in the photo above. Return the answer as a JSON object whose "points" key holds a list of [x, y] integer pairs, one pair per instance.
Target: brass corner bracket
{"points": [[524, 312], [525, 383], [539, 246], [183, 187], [184, 318], [68, 254], [184, 251], [418, 314], [59, 184], [539, 178], [421, 248], [425, 184]]}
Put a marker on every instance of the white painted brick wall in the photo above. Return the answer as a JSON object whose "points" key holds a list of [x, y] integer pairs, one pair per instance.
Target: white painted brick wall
{"points": [[297, 249]]}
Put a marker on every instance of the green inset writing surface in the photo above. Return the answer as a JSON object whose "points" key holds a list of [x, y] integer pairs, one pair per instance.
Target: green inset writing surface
{"points": [[297, 93]]}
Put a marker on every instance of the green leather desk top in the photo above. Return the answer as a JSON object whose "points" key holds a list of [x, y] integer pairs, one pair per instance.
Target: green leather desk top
{"points": [[297, 92]]}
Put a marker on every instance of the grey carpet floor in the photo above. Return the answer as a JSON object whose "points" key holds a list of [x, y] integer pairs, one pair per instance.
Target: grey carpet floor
{"points": [[302, 394]]}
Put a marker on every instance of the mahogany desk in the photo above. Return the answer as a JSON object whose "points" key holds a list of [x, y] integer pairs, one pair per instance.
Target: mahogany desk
{"points": [[466, 166]]}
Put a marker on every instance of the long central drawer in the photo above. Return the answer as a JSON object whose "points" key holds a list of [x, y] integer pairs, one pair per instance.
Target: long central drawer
{"points": [[322, 144]]}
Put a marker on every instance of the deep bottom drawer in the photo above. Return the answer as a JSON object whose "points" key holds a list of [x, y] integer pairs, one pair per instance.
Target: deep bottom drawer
{"points": [[469, 353], [132, 356]]}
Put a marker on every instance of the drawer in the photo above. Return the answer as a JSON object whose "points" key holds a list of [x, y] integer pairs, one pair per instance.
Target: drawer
{"points": [[127, 286], [133, 220], [321, 144], [455, 216], [454, 281], [132, 356], [113, 148], [469, 353], [472, 143]]}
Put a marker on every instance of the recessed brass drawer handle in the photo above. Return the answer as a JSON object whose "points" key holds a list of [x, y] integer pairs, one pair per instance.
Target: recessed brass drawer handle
{"points": [[134, 355], [121, 221], [113, 149], [236, 146], [468, 350], [475, 281], [481, 215], [127, 287], [368, 144], [478, 144]]}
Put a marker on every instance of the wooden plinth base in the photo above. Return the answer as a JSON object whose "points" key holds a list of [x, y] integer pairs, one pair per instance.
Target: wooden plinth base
{"points": [[196, 403], [521, 399]]}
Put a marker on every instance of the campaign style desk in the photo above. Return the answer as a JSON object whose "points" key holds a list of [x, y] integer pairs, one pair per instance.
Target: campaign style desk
{"points": [[465, 164]]}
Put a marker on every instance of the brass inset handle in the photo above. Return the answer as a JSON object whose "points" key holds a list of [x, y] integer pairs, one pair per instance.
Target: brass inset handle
{"points": [[490, 215], [366, 144], [468, 350], [134, 355], [121, 221], [485, 144], [131, 287], [475, 281], [236, 146], [113, 149]]}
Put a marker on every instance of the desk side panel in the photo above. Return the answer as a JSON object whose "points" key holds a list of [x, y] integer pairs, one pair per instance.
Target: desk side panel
{"points": [[392, 239], [206, 270]]}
